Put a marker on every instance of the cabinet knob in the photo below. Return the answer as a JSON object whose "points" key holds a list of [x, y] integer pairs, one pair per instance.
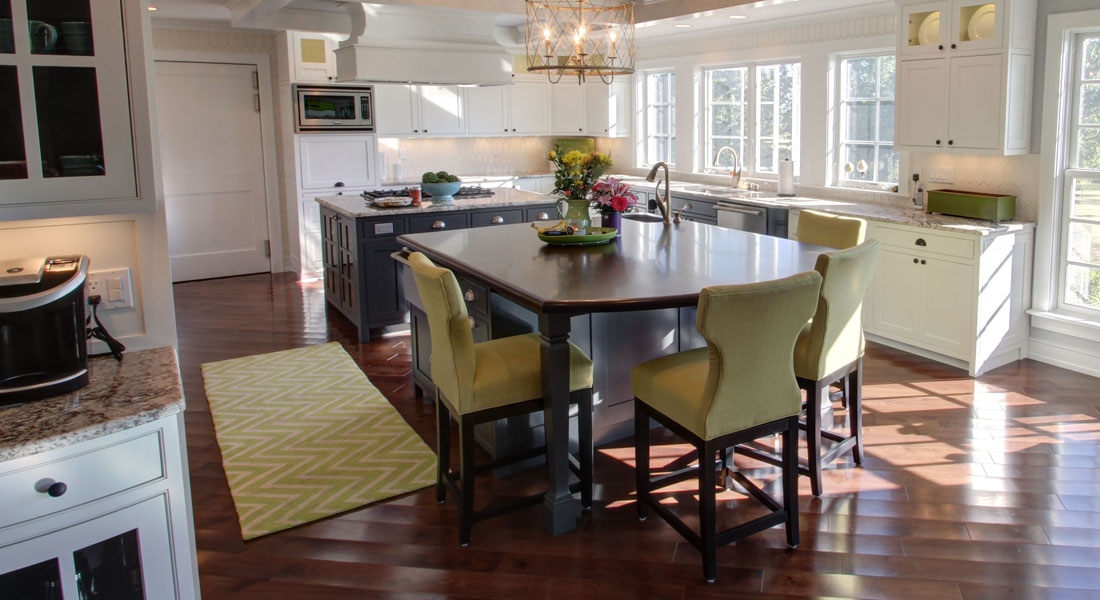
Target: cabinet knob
{"points": [[580, 129], [938, 142], [513, 129], [923, 262], [416, 131], [439, 225], [542, 216], [915, 261], [921, 242], [941, 46], [55, 489], [338, 184], [497, 220], [505, 130], [953, 46], [950, 142], [470, 296], [425, 131]]}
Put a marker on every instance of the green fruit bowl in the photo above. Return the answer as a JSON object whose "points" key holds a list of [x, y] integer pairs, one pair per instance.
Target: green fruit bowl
{"points": [[596, 235], [441, 193]]}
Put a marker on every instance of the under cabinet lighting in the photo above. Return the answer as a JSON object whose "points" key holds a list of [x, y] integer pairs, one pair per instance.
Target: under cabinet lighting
{"points": [[682, 25], [150, 8], [738, 16]]}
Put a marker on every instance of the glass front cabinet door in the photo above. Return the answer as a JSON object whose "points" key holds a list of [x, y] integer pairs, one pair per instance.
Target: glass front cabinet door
{"points": [[125, 555], [64, 102]]}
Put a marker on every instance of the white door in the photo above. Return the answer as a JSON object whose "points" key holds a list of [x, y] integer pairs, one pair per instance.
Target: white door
{"points": [[567, 105], [212, 158], [975, 106], [441, 110], [529, 106], [922, 103], [486, 110]]}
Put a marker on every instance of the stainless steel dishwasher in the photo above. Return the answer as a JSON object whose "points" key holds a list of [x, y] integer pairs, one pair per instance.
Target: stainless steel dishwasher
{"points": [[744, 217]]}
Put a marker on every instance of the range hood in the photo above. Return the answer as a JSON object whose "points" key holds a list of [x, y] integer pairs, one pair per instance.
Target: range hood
{"points": [[420, 45]]}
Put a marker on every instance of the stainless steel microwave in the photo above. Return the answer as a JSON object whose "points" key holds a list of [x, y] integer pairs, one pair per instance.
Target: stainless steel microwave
{"points": [[326, 108]]}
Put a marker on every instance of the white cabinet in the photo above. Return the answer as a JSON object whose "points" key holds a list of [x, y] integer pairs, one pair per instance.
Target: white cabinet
{"points": [[960, 298], [132, 529], [72, 112], [487, 110], [314, 61], [607, 108], [419, 109], [567, 104], [336, 161], [529, 107], [442, 111], [964, 76], [521, 109]]}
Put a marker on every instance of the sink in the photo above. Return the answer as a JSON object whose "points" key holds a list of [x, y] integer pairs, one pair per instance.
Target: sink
{"points": [[643, 217]]}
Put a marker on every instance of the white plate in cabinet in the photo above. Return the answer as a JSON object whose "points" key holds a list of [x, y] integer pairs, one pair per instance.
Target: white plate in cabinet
{"points": [[336, 161]]}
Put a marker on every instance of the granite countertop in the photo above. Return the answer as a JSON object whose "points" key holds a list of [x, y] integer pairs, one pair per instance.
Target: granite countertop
{"points": [[144, 387], [357, 206]]}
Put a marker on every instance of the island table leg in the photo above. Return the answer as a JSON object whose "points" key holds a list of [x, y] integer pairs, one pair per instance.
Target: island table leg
{"points": [[562, 510]]}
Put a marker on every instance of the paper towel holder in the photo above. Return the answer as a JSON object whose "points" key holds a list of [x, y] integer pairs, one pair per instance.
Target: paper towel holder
{"points": [[786, 178]]}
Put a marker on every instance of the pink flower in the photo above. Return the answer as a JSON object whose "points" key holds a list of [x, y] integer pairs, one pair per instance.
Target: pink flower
{"points": [[619, 203]]}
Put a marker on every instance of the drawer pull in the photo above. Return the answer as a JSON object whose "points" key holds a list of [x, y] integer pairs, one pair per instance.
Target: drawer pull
{"points": [[921, 242], [543, 216], [338, 184], [439, 225], [470, 296], [497, 220], [473, 323], [55, 489]]}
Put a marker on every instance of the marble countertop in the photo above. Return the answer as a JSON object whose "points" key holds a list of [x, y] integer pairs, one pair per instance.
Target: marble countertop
{"points": [[356, 206], [470, 179], [144, 387], [899, 215]]}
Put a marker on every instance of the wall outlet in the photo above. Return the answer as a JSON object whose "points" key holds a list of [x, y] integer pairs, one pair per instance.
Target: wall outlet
{"points": [[941, 175], [112, 286]]}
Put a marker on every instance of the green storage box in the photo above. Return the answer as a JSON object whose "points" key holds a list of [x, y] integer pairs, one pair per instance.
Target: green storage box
{"points": [[976, 205]]}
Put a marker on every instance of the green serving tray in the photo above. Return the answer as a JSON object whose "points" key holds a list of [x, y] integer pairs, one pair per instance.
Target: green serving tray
{"points": [[975, 205], [596, 235]]}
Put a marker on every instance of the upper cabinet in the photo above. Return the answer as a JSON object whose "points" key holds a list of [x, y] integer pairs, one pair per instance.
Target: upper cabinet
{"points": [[518, 109], [607, 108], [567, 104], [964, 76], [67, 142], [433, 110], [314, 61]]}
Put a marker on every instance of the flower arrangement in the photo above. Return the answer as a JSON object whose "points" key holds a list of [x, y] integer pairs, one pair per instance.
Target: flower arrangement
{"points": [[576, 172], [612, 195]]}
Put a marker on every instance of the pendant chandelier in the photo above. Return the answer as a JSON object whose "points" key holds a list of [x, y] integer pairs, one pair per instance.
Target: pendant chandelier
{"points": [[581, 38]]}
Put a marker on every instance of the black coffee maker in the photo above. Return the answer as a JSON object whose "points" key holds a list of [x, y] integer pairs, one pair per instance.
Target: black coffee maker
{"points": [[43, 331]]}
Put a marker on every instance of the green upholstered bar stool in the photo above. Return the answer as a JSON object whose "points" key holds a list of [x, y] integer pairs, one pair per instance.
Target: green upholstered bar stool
{"points": [[487, 381], [830, 350], [831, 231], [740, 387]]}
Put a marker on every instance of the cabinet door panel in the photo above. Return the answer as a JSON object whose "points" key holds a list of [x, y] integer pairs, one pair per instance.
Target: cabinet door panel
{"points": [[395, 108], [897, 296], [528, 104], [313, 58], [329, 160], [486, 110], [948, 297], [921, 103], [975, 105], [442, 110], [384, 299], [567, 104], [597, 113], [924, 28]]}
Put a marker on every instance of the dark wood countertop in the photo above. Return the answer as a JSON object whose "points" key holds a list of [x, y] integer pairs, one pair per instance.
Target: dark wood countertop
{"points": [[648, 266]]}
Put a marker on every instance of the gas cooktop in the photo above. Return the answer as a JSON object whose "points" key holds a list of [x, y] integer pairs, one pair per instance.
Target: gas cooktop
{"points": [[466, 191]]}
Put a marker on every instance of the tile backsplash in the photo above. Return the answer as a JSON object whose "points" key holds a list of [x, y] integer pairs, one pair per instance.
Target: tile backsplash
{"points": [[1015, 175]]}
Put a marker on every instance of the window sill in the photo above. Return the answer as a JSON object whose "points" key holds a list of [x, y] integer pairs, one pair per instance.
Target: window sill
{"points": [[1066, 324]]}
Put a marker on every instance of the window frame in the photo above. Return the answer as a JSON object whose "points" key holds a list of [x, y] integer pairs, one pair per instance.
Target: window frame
{"points": [[649, 117], [750, 115], [1072, 172], [840, 124]]}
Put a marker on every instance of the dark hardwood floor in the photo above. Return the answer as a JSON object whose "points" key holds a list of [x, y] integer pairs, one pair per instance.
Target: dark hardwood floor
{"points": [[975, 489]]}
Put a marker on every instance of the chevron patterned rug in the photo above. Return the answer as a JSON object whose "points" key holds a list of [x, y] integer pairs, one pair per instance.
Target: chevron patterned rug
{"points": [[304, 435]]}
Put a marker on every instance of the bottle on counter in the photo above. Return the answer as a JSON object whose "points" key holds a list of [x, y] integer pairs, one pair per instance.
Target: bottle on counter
{"points": [[918, 191]]}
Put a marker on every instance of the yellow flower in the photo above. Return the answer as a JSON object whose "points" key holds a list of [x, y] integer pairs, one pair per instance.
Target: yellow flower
{"points": [[552, 155]]}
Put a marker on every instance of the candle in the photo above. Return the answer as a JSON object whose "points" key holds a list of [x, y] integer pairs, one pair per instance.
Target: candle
{"points": [[611, 55]]}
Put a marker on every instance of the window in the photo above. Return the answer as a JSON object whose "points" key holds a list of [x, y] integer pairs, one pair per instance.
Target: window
{"points": [[865, 132], [754, 110], [660, 118], [1080, 256]]}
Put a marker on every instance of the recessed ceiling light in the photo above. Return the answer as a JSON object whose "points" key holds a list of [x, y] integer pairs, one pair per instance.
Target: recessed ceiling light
{"points": [[682, 25], [739, 16]]}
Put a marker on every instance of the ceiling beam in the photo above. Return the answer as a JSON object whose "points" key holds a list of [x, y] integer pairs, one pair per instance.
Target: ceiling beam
{"points": [[251, 13]]}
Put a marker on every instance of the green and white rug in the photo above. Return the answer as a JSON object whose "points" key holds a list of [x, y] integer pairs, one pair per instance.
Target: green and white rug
{"points": [[304, 435]]}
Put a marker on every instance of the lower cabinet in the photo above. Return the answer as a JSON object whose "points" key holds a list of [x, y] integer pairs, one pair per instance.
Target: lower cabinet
{"points": [[105, 518], [957, 297]]}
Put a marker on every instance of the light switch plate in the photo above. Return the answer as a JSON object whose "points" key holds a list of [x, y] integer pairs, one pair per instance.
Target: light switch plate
{"points": [[113, 287], [941, 175]]}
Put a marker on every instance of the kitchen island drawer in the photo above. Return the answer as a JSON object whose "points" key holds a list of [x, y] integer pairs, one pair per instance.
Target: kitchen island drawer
{"points": [[439, 222], [79, 479], [475, 295], [914, 239], [496, 217]]}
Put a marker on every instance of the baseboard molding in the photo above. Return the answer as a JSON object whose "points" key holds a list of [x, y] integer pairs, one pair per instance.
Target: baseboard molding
{"points": [[941, 358], [1067, 358]]}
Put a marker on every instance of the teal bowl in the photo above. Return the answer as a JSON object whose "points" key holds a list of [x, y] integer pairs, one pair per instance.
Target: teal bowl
{"points": [[442, 193]]}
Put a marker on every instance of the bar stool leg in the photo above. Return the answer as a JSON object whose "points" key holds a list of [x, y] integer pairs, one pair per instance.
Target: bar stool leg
{"points": [[790, 480], [468, 474], [641, 458], [813, 434], [443, 448], [708, 533], [853, 390]]}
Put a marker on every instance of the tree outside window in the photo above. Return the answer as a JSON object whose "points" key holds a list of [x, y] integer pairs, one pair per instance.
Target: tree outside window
{"points": [[660, 120], [754, 110], [1081, 224], [866, 130]]}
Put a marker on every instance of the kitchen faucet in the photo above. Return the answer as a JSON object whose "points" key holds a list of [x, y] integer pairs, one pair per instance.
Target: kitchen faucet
{"points": [[735, 174], [662, 199]]}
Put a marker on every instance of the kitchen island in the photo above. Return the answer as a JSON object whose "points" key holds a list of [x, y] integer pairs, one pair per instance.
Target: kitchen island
{"points": [[622, 303], [362, 282]]}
